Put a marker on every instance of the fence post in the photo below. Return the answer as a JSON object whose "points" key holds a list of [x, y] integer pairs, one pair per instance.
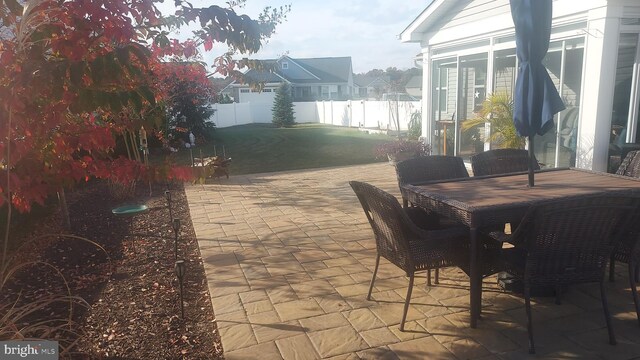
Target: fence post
{"points": [[235, 116], [332, 119]]}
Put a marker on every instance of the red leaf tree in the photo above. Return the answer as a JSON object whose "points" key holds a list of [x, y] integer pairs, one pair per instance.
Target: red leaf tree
{"points": [[76, 74]]}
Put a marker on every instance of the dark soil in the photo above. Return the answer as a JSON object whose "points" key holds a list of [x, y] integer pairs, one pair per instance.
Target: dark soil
{"points": [[128, 281]]}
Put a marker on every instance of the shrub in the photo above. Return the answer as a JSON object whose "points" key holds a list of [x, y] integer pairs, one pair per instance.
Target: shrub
{"points": [[283, 107], [415, 126], [418, 147]]}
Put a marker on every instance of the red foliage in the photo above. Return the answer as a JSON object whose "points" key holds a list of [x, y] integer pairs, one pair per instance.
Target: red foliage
{"points": [[75, 74]]}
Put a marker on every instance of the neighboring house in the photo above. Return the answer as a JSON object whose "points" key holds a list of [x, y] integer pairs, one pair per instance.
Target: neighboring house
{"points": [[222, 86], [469, 50], [414, 86], [371, 87], [310, 80]]}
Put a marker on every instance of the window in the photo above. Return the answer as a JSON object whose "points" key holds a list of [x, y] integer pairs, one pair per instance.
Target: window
{"points": [[324, 91], [266, 90], [440, 93], [285, 65], [244, 91]]}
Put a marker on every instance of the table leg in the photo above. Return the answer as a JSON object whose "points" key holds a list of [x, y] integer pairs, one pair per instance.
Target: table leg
{"points": [[474, 301]]}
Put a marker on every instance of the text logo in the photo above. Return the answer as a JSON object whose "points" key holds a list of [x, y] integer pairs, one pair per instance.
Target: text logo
{"points": [[36, 350]]}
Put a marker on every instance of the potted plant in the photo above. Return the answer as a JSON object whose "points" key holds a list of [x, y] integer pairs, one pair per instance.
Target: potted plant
{"points": [[402, 149], [497, 110]]}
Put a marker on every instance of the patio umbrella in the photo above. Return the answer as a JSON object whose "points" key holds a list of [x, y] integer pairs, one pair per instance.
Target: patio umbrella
{"points": [[536, 99]]}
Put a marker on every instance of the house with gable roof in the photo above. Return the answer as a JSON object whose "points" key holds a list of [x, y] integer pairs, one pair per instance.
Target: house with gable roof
{"points": [[310, 79]]}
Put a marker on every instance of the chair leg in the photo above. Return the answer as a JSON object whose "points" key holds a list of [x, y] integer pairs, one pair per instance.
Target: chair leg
{"points": [[437, 280], [637, 273], [406, 302], [558, 294], [634, 290], [429, 277], [607, 314], [373, 278], [405, 203], [612, 267], [527, 306]]}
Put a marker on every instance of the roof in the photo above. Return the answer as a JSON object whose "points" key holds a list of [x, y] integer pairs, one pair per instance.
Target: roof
{"points": [[219, 84], [303, 71], [431, 15], [414, 82], [331, 69], [367, 80]]}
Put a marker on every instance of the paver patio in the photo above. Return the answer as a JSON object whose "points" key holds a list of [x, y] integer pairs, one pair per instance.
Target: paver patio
{"points": [[289, 257]]}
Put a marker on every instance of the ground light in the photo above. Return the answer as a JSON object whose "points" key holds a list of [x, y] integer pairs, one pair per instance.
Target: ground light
{"points": [[180, 271], [176, 230]]}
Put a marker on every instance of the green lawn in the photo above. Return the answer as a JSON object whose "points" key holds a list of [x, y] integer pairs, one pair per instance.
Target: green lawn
{"points": [[260, 148]]}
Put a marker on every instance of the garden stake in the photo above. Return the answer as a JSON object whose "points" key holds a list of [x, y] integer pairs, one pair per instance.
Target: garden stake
{"points": [[180, 270], [176, 229]]}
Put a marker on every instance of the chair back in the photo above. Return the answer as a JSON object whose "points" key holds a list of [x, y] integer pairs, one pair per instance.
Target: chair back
{"points": [[391, 226], [430, 168], [501, 161], [570, 240], [630, 165]]}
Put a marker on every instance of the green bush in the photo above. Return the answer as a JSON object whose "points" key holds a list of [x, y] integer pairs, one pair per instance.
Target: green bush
{"points": [[415, 126], [283, 107]]}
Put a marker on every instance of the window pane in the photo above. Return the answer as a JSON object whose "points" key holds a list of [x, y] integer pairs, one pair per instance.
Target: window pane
{"points": [[473, 79], [504, 76], [445, 79], [557, 148]]}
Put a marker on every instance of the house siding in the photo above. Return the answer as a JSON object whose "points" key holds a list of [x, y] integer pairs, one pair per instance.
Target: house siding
{"points": [[471, 11]]}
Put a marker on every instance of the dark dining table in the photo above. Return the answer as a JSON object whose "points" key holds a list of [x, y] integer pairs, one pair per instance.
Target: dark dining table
{"points": [[486, 201]]}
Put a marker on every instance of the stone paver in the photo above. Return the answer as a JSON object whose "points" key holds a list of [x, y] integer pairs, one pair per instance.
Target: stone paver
{"points": [[289, 257]]}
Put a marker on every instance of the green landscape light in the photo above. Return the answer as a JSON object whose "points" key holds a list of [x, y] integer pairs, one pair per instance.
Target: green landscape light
{"points": [[176, 230]]}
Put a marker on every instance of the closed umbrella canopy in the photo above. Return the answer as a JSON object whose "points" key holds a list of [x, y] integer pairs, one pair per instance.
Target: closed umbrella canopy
{"points": [[536, 99]]}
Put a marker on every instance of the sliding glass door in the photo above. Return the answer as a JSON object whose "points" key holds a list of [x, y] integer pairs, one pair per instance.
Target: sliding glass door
{"points": [[459, 88], [458, 91], [557, 148]]}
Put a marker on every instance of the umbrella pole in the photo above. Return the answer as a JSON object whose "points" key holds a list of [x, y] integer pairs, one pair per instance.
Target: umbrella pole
{"points": [[531, 159]]}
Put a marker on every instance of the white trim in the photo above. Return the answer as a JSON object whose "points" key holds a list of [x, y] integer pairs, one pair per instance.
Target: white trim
{"points": [[409, 33], [634, 97]]}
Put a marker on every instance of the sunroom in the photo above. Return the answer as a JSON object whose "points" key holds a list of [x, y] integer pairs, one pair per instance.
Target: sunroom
{"points": [[468, 55]]}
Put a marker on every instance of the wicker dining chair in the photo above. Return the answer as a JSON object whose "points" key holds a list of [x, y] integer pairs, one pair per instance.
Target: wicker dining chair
{"points": [[430, 168], [567, 242], [501, 161], [630, 166], [628, 250], [403, 243]]}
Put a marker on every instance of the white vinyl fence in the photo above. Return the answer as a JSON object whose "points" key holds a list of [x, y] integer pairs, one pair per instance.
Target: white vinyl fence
{"points": [[351, 113]]}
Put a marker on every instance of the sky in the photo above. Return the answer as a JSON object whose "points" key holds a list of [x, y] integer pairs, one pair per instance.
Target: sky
{"points": [[366, 30]]}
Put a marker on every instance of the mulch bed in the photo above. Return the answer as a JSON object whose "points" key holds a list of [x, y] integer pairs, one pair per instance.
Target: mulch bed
{"points": [[131, 286]]}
